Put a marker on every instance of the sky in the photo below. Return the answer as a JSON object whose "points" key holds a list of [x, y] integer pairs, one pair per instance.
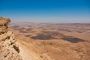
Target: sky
{"points": [[58, 11]]}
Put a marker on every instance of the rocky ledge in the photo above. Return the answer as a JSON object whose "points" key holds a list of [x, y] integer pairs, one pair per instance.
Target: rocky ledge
{"points": [[8, 48]]}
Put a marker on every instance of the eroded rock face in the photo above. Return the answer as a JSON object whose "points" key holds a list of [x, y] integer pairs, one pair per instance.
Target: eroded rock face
{"points": [[8, 48]]}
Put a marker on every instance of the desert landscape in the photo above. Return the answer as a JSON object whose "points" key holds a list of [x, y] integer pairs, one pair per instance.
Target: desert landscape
{"points": [[44, 29], [53, 41], [44, 41]]}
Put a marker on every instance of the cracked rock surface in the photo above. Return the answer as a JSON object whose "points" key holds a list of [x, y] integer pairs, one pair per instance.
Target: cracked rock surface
{"points": [[8, 48]]}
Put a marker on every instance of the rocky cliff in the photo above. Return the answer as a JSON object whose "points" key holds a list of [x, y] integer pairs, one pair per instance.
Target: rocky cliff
{"points": [[8, 48]]}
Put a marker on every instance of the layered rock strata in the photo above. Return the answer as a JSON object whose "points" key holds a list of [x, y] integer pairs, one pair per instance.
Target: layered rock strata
{"points": [[8, 48]]}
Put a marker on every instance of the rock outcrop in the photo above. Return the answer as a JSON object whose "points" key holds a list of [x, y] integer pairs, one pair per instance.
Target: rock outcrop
{"points": [[8, 48]]}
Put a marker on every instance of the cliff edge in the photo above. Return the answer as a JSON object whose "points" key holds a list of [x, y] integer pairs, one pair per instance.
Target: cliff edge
{"points": [[8, 48]]}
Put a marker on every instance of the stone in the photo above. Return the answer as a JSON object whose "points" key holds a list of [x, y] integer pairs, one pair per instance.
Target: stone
{"points": [[8, 47]]}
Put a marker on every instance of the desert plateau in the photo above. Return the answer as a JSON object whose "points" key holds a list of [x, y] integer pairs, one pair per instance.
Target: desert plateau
{"points": [[44, 29], [53, 41], [44, 41]]}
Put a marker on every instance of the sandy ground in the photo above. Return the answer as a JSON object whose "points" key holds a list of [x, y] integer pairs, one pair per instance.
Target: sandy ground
{"points": [[25, 52], [27, 55]]}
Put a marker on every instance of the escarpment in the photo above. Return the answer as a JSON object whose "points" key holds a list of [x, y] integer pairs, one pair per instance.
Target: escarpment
{"points": [[8, 48]]}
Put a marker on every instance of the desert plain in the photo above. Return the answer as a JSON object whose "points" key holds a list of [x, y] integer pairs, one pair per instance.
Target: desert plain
{"points": [[52, 41]]}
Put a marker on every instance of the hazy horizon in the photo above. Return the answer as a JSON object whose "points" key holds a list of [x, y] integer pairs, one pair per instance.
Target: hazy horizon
{"points": [[58, 11]]}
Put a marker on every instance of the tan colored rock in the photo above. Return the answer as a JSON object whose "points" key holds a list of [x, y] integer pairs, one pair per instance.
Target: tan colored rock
{"points": [[4, 24], [4, 21], [8, 48]]}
